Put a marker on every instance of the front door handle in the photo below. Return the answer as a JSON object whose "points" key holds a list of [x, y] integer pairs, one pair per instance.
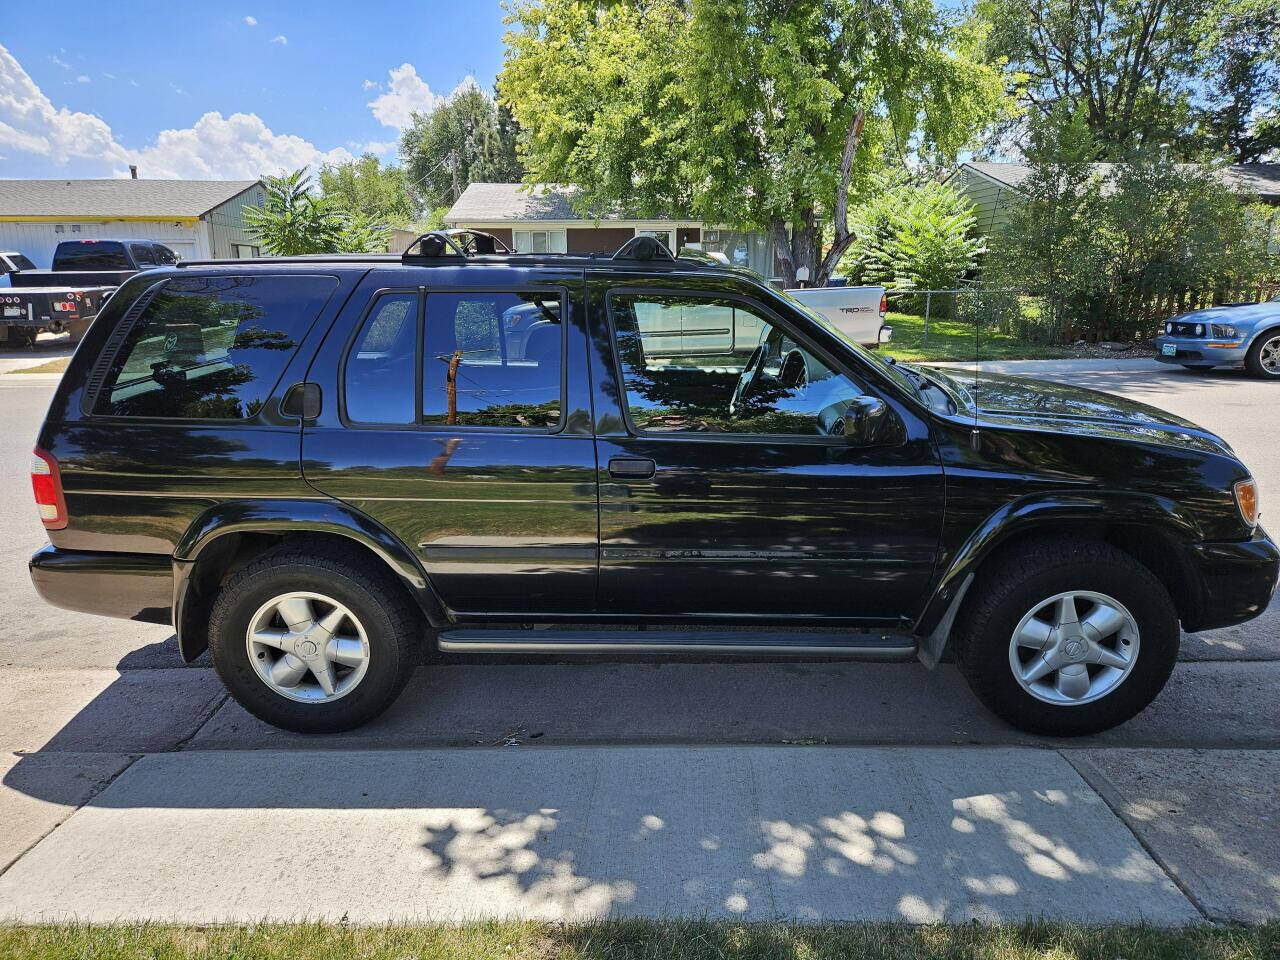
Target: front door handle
{"points": [[632, 468]]}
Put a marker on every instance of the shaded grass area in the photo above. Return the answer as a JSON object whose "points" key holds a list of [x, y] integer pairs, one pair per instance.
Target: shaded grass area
{"points": [[56, 365], [640, 940], [954, 340]]}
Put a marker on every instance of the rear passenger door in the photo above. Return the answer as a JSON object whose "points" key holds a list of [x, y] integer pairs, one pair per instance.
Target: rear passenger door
{"points": [[456, 414]]}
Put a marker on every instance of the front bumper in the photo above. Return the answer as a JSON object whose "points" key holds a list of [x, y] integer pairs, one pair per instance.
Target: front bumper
{"points": [[1237, 580], [131, 586], [1201, 352]]}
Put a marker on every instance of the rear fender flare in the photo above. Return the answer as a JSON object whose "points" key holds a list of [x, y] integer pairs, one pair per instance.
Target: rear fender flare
{"points": [[1049, 512], [295, 517]]}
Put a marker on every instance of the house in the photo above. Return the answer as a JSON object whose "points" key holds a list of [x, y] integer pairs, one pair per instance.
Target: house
{"points": [[195, 218], [993, 188], [541, 219]]}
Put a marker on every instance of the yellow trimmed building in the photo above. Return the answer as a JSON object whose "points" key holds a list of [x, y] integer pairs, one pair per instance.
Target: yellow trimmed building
{"points": [[197, 219]]}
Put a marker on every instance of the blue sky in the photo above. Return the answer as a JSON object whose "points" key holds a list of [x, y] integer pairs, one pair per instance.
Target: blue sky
{"points": [[213, 91]]}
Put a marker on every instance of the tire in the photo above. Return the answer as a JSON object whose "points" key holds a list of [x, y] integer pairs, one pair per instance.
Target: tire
{"points": [[1101, 578], [380, 626], [1263, 358]]}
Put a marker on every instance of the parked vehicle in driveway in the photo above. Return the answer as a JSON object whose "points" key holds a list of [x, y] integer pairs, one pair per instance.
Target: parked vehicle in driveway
{"points": [[313, 466], [67, 297], [857, 312], [1245, 334], [11, 262]]}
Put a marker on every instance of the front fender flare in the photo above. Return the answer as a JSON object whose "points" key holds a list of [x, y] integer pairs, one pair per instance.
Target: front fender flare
{"points": [[293, 517], [1050, 512]]}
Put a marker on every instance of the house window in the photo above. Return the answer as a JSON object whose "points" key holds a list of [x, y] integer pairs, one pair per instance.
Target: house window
{"points": [[244, 251], [59, 228], [662, 236], [75, 228], [540, 241]]}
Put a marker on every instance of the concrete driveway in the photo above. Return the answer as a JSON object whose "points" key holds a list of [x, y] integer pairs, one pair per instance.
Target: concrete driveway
{"points": [[133, 789]]}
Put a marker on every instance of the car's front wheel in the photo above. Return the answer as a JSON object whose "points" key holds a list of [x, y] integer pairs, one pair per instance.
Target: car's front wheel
{"points": [[307, 638], [1067, 637], [1263, 358]]}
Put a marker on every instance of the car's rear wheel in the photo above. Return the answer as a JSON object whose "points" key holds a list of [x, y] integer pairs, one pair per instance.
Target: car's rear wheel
{"points": [[308, 639], [1067, 637], [1263, 358]]}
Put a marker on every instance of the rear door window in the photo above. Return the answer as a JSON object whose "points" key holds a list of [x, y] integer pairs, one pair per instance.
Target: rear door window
{"points": [[143, 254], [211, 347], [492, 360]]}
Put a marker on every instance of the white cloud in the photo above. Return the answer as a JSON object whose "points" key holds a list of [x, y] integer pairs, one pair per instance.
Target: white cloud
{"points": [[83, 78], [280, 38], [55, 59], [109, 76], [178, 90], [239, 146], [251, 21], [372, 85], [407, 94]]}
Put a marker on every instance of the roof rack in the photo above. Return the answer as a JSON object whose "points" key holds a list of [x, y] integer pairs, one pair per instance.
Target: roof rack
{"points": [[643, 248], [454, 243]]}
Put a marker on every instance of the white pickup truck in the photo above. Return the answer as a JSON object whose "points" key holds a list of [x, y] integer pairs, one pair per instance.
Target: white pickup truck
{"points": [[857, 312]]}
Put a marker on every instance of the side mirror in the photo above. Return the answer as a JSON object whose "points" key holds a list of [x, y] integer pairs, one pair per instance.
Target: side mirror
{"points": [[868, 421]]}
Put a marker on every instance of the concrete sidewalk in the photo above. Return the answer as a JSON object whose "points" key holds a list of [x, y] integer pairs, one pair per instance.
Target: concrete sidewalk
{"points": [[909, 834]]}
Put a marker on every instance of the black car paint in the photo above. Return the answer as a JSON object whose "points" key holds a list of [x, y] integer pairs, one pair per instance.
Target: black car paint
{"points": [[549, 535]]}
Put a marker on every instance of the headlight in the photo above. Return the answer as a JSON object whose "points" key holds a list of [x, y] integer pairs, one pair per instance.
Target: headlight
{"points": [[1168, 328], [1199, 329], [1246, 492], [1225, 331]]}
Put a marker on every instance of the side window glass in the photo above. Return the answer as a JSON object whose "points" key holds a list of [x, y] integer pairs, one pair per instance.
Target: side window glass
{"points": [[211, 347], [143, 254], [492, 360], [379, 381], [702, 365]]}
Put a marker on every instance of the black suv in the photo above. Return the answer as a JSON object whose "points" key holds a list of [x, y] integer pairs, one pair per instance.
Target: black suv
{"points": [[313, 465]]}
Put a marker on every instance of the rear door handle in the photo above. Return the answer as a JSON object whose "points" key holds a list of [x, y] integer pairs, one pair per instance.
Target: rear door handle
{"points": [[632, 468]]}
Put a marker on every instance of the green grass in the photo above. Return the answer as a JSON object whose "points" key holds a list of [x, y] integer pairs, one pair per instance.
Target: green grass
{"points": [[952, 340], [56, 365], [639, 940]]}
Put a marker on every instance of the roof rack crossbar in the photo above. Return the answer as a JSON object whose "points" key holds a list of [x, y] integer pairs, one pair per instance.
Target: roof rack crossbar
{"points": [[644, 248]]}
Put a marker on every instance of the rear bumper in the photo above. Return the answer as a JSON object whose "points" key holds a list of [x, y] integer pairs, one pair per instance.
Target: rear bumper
{"points": [[131, 586], [1237, 580]]}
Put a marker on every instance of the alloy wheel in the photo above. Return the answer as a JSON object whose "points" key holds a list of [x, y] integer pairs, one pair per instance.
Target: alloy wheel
{"points": [[307, 647], [1269, 357], [1074, 648]]}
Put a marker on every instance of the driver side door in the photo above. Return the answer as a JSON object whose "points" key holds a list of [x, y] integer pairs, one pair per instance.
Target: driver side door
{"points": [[727, 488]]}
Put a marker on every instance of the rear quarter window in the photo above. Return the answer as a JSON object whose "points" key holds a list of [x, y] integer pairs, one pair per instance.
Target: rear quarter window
{"points": [[211, 348]]}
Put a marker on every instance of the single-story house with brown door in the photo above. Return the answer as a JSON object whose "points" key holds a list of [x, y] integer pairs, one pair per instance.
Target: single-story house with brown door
{"points": [[541, 219]]}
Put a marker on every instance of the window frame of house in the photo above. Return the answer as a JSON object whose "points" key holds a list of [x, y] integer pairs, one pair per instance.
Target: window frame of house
{"points": [[547, 233], [237, 247]]}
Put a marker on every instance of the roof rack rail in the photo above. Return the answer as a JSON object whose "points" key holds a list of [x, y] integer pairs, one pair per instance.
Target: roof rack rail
{"points": [[454, 243], [644, 248]]}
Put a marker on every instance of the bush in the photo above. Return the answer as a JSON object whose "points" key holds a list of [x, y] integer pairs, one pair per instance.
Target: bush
{"points": [[1117, 248], [914, 237]]}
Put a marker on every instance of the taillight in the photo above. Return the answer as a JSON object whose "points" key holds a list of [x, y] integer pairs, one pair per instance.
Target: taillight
{"points": [[884, 305], [46, 481]]}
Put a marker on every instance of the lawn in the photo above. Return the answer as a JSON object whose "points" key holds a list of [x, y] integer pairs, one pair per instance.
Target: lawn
{"points": [[56, 365], [639, 940], [954, 340]]}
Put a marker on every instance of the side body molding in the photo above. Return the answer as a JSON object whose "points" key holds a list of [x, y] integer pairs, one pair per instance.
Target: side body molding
{"points": [[292, 517], [1053, 513]]}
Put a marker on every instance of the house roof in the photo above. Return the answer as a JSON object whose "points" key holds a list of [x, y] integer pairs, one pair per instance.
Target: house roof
{"points": [[502, 202], [1259, 179], [160, 199]]}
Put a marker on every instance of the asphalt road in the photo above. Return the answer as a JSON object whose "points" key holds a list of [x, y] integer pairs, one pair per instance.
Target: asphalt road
{"points": [[1189, 786]]}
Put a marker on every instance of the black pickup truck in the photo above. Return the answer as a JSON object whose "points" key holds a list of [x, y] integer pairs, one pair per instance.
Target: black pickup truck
{"points": [[69, 296]]}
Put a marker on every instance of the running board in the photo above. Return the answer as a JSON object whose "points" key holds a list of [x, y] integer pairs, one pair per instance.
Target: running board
{"points": [[853, 645]]}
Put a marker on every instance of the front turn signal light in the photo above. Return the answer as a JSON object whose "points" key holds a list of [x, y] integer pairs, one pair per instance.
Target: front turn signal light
{"points": [[1247, 500]]}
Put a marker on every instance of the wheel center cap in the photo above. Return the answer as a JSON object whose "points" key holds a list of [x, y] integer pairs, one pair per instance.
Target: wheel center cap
{"points": [[307, 648], [1074, 649]]}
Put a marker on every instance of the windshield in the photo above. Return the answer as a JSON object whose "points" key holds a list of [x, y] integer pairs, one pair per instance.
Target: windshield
{"points": [[21, 263], [887, 366]]}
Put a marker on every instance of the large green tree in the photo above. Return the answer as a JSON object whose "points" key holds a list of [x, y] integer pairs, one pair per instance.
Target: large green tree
{"points": [[467, 138], [1200, 75], [760, 114], [368, 188], [295, 220]]}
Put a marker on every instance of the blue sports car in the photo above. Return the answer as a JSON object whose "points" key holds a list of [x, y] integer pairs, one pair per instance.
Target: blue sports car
{"points": [[1229, 336]]}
